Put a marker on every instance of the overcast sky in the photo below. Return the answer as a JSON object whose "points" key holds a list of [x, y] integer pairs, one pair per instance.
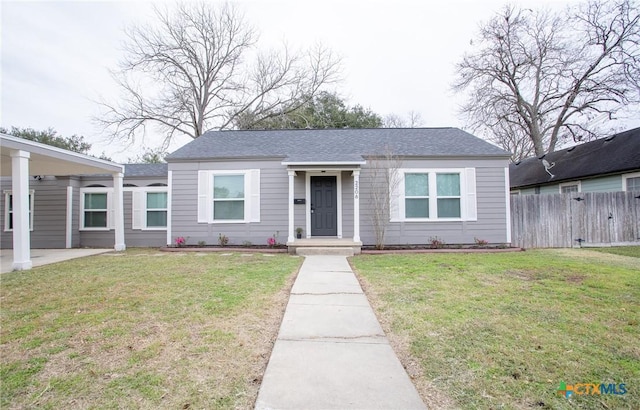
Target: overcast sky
{"points": [[398, 55]]}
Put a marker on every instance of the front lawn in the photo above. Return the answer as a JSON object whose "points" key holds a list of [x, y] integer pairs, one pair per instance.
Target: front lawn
{"points": [[620, 250], [141, 329], [504, 330]]}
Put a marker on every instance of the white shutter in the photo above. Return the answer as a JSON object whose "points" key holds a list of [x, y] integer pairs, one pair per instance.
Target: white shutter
{"points": [[254, 195], [471, 207], [138, 201], [111, 210], [205, 206], [396, 179]]}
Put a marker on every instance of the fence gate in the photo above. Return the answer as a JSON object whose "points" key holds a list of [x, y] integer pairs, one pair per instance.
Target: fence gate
{"points": [[575, 219]]}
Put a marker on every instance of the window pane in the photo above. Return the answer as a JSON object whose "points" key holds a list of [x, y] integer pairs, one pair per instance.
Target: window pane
{"points": [[156, 219], [416, 184], [416, 208], [228, 186], [569, 188], [228, 210], [93, 219], [633, 184], [95, 201], [156, 200], [448, 184], [449, 208]]}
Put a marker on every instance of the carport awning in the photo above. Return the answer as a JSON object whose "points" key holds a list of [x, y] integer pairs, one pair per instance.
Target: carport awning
{"points": [[21, 158], [48, 160]]}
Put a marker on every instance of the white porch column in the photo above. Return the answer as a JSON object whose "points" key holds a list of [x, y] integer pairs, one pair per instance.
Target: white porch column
{"points": [[20, 193], [69, 224], [118, 214], [169, 210], [356, 205], [291, 237]]}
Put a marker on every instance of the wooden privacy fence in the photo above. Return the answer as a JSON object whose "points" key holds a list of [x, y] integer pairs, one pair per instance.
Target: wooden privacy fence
{"points": [[575, 219]]}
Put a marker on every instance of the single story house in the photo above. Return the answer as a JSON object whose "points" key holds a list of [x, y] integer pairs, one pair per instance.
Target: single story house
{"points": [[253, 185], [604, 165]]}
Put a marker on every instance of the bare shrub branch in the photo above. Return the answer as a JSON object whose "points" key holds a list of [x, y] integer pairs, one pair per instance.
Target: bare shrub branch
{"points": [[383, 181]]}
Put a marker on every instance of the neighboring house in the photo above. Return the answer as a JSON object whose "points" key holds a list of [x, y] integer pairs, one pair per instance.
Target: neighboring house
{"points": [[604, 165], [253, 185]]}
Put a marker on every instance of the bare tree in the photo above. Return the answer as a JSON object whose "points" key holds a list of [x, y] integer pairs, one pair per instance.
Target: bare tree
{"points": [[413, 119], [537, 78], [198, 69], [384, 180], [393, 121]]}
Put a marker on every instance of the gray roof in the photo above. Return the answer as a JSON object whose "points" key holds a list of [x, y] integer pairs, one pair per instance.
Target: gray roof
{"points": [[145, 170], [335, 145], [615, 154]]}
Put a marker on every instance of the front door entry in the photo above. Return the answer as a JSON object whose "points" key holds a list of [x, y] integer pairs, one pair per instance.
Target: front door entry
{"points": [[324, 206]]}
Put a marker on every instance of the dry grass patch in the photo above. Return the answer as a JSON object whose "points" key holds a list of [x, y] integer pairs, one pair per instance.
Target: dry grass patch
{"points": [[503, 330], [141, 330]]}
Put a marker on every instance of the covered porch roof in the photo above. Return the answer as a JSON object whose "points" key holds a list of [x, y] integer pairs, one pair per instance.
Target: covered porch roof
{"points": [[48, 160], [21, 158]]}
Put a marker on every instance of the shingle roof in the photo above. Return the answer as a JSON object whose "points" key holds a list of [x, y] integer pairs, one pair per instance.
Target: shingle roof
{"points": [[146, 170], [615, 154], [335, 145]]}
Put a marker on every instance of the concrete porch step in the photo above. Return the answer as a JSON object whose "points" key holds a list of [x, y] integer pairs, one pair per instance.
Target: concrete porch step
{"points": [[325, 250]]}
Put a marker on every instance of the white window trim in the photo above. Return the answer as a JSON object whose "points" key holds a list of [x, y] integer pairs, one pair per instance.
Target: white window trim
{"points": [[251, 196], [572, 183], [627, 176], [110, 210], [9, 192], [468, 211], [139, 207]]}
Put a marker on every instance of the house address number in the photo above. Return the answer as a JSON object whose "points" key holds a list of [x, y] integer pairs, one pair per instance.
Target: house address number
{"points": [[356, 189]]}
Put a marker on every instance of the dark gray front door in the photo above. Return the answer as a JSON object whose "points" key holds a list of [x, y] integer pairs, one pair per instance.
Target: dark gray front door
{"points": [[324, 206]]}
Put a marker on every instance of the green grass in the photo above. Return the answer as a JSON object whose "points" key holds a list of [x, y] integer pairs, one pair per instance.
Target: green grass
{"points": [[141, 329], [503, 330], [633, 251]]}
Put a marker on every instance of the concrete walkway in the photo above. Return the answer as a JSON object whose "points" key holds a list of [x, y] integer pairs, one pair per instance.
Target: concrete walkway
{"points": [[41, 257], [331, 352]]}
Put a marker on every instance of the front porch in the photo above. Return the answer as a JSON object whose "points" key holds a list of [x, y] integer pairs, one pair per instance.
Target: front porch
{"points": [[324, 246], [324, 198]]}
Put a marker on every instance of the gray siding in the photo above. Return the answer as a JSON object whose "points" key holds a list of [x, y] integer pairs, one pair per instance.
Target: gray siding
{"points": [[549, 189], [274, 196], [347, 205], [609, 183], [491, 201], [132, 238], [49, 213], [491, 224], [300, 211]]}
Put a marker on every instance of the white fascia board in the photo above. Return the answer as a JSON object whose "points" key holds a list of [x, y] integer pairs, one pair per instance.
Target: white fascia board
{"points": [[322, 163], [12, 142]]}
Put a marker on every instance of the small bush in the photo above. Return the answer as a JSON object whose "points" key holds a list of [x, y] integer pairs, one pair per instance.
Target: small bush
{"points": [[202, 243], [223, 240], [436, 243], [481, 242]]}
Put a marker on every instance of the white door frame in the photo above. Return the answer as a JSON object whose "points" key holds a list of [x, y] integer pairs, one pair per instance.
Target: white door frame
{"points": [[338, 175]]}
